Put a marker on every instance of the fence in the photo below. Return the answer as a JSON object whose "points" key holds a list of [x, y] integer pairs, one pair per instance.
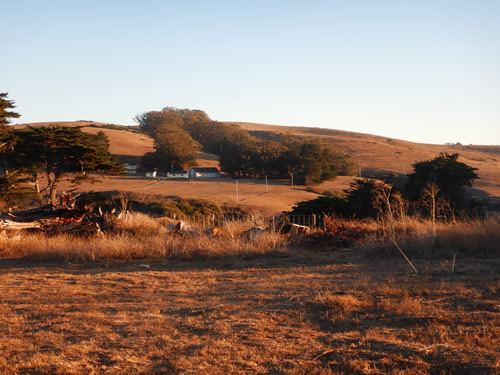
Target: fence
{"points": [[206, 221], [313, 221]]}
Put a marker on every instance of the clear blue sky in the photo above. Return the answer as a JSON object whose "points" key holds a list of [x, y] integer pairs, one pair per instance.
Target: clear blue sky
{"points": [[426, 71]]}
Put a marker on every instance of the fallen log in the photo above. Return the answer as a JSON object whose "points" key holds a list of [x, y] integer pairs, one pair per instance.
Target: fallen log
{"points": [[14, 225]]}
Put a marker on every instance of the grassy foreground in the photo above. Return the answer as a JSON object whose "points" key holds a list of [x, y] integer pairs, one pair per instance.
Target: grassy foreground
{"points": [[249, 306]]}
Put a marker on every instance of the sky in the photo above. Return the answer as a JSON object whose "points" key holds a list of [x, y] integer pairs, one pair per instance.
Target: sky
{"points": [[423, 71]]}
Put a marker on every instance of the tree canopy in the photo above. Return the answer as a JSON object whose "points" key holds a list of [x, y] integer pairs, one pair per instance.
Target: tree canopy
{"points": [[153, 122], [11, 183], [445, 171], [6, 138], [174, 147], [5, 114], [359, 200], [60, 152]]}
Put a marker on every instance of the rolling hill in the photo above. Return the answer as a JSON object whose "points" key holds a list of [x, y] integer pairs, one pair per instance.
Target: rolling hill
{"points": [[378, 157], [381, 156]]}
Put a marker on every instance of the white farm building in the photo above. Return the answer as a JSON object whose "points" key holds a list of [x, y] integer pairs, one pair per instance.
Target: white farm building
{"points": [[203, 173], [177, 174]]}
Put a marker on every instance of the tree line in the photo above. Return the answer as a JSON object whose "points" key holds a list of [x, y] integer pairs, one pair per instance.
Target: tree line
{"points": [[435, 188], [180, 133]]}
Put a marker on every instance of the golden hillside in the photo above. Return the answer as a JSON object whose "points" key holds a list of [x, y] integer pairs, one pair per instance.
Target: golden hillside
{"points": [[380, 156], [377, 156]]}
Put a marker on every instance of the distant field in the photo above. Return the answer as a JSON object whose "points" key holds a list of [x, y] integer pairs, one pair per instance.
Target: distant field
{"points": [[378, 157], [252, 194]]}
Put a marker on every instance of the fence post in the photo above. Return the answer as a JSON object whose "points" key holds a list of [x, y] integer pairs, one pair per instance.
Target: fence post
{"points": [[314, 220]]}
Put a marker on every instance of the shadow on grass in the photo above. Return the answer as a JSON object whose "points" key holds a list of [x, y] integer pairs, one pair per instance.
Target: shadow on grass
{"points": [[375, 340], [270, 260]]}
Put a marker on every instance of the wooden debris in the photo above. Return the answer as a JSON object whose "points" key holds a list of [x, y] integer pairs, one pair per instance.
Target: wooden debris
{"points": [[252, 233], [298, 231], [64, 218]]}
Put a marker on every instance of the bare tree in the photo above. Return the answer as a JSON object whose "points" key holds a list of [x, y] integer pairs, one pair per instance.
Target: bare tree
{"points": [[429, 199]]}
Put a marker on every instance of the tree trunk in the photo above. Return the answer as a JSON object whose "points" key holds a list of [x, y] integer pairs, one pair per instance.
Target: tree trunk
{"points": [[51, 185], [53, 194], [37, 189]]}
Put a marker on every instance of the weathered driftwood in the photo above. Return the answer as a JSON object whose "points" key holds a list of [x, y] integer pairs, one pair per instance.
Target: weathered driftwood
{"points": [[14, 225]]}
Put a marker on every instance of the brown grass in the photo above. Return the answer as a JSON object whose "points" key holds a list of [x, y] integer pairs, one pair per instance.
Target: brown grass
{"points": [[469, 238], [138, 236], [415, 326], [125, 142], [144, 300], [295, 312]]}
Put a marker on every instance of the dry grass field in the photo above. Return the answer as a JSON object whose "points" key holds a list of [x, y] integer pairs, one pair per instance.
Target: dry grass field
{"points": [[298, 313], [252, 194], [141, 300]]}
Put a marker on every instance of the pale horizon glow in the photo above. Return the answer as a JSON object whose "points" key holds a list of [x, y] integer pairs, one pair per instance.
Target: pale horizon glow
{"points": [[424, 71]]}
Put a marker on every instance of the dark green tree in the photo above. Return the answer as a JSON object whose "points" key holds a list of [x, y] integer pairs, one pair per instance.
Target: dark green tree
{"points": [[365, 198], [61, 153], [360, 196], [12, 188], [318, 161], [174, 147], [445, 171], [7, 139], [5, 114], [152, 122], [323, 206], [175, 144], [189, 116]]}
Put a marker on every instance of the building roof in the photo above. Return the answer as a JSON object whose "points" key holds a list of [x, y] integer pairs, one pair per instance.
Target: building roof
{"points": [[176, 172], [205, 170]]}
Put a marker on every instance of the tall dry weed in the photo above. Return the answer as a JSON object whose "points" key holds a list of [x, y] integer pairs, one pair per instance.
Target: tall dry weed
{"points": [[138, 236], [473, 237]]}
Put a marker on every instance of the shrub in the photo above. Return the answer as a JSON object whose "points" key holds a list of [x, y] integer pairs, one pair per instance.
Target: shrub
{"points": [[177, 207]]}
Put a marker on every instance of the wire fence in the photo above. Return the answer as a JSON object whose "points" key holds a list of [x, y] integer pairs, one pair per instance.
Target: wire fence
{"points": [[313, 221], [207, 221]]}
